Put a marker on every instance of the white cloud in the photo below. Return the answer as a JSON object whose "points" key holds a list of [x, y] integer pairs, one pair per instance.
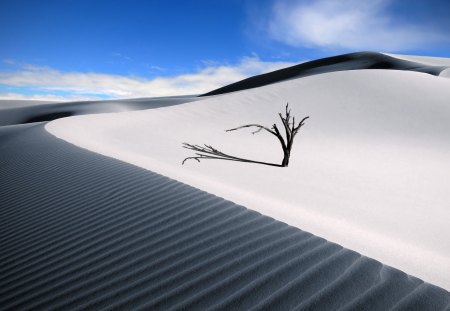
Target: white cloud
{"points": [[156, 68], [47, 97], [348, 24], [123, 56], [116, 86], [8, 61]]}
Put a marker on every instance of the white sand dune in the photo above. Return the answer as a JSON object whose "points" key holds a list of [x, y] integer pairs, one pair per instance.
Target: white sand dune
{"points": [[350, 61], [445, 73], [369, 169], [80, 231], [29, 111], [427, 60]]}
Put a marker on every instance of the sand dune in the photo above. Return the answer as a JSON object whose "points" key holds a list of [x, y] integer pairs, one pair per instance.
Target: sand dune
{"points": [[445, 73], [371, 163], [19, 103], [22, 111], [352, 61], [427, 60], [82, 231], [38, 112]]}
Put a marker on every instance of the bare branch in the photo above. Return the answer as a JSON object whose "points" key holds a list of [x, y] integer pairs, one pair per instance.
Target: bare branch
{"points": [[285, 122], [302, 122], [278, 135], [257, 131], [208, 152], [260, 127]]}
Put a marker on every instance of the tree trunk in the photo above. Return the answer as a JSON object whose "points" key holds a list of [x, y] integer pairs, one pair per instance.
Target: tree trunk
{"points": [[285, 158]]}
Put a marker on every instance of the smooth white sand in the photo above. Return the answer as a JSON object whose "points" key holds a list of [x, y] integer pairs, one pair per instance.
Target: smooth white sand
{"points": [[369, 170], [427, 60], [445, 73]]}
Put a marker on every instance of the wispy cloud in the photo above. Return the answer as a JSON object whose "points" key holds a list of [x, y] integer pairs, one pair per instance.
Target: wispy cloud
{"points": [[116, 86], [157, 68], [8, 61], [122, 56], [349, 24], [47, 97]]}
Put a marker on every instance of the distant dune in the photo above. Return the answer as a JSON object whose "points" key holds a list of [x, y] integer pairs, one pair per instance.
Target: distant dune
{"points": [[352, 61], [29, 112], [20, 112], [427, 60], [445, 73], [19, 103]]}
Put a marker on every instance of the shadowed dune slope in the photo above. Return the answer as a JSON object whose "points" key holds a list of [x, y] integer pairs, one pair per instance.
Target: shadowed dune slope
{"points": [[352, 61], [17, 103], [82, 231], [51, 111]]}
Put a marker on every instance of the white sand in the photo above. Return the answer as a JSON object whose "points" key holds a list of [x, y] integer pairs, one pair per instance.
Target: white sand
{"points": [[445, 73], [427, 60], [369, 170]]}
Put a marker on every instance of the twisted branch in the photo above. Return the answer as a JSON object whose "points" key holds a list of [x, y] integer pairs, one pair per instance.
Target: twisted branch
{"points": [[209, 152]]}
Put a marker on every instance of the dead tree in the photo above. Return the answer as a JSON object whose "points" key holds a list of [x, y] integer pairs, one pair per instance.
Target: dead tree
{"points": [[290, 128]]}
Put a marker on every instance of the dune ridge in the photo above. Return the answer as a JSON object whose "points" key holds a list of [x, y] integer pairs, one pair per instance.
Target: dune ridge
{"points": [[44, 111], [351, 61], [82, 231]]}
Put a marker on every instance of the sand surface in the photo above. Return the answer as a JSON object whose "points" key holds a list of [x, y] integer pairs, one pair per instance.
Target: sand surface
{"points": [[369, 170], [18, 103], [427, 60], [445, 73], [82, 231], [20, 112], [352, 61]]}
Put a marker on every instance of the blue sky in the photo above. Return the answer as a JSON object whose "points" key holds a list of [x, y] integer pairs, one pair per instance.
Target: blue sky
{"points": [[83, 49]]}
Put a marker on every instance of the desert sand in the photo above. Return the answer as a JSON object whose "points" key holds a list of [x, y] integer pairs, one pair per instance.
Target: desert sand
{"points": [[84, 231], [97, 211], [22, 112], [370, 165]]}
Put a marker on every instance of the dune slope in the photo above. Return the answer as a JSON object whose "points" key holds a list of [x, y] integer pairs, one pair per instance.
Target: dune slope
{"points": [[30, 113], [352, 61], [368, 171], [82, 231]]}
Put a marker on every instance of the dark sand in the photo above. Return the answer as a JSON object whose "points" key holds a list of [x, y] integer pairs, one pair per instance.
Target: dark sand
{"points": [[30, 113], [352, 61], [18, 103], [82, 231]]}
